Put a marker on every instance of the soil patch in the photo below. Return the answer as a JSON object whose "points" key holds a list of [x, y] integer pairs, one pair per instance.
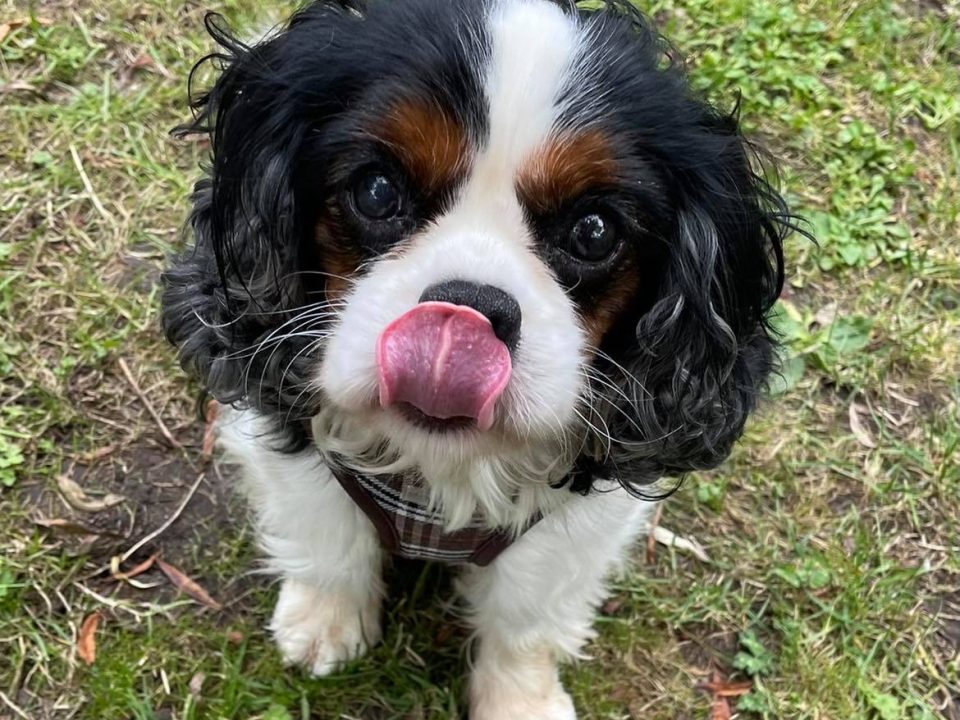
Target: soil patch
{"points": [[153, 482]]}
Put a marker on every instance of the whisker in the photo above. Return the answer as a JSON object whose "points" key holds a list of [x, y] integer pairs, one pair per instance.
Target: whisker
{"points": [[310, 347], [600, 433]]}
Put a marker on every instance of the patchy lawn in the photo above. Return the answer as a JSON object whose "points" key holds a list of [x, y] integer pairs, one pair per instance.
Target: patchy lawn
{"points": [[832, 588]]}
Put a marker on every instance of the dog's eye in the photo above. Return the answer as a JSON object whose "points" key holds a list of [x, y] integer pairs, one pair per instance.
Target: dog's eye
{"points": [[592, 238], [377, 197]]}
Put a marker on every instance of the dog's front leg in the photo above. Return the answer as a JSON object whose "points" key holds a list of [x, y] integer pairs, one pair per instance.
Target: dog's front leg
{"points": [[534, 606], [328, 612], [318, 541]]}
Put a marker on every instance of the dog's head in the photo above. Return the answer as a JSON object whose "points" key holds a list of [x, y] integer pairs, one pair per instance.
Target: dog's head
{"points": [[479, 229]]}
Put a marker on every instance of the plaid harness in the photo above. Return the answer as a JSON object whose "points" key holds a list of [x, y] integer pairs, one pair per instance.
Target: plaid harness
{"points": [[399, 508]]}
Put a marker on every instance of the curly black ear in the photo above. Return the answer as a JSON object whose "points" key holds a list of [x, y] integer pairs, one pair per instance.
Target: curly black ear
{"points": [[231, 301], [702, 353]]}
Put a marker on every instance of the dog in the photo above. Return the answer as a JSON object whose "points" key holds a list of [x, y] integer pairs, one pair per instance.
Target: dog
{"points": [[471, 277]]}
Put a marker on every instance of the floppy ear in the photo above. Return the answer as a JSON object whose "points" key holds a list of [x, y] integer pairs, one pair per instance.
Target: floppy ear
{"points": [[231, 301], [702, 353]]}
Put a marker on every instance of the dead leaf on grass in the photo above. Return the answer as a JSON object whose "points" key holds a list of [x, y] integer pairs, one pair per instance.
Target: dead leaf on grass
{"points": [[78, 499], [68, 527], [722, 691], [613, 605], [720, 710], [196, 684], [187, 585], [857, 427], [137, 570], [727, 689], [142, 60], [6, 27], [87, 642], [98, 454]]}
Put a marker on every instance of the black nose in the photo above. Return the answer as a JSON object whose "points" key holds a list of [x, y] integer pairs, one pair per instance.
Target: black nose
{"points": [[499, 306]]}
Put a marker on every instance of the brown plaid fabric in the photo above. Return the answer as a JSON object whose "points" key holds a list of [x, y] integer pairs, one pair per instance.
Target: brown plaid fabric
{"points": [[399, 509]]}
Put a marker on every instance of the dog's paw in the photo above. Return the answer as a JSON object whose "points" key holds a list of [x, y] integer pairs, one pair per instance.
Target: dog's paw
{"points": [[322, 631], [495, 698]]}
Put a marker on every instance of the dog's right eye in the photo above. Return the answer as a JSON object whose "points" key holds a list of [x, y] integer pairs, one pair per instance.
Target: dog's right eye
{"points": [[377, 197]]}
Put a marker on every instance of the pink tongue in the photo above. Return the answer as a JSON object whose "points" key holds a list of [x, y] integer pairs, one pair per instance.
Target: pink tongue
{"points": [[445, 360]]}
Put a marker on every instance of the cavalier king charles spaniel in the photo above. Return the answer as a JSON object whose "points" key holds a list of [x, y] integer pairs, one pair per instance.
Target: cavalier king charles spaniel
{"points": [[470, 276]]}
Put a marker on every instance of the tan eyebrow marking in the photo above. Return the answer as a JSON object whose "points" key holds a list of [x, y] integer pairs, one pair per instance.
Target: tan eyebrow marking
{"points": [[566, 167], [431, 144]]}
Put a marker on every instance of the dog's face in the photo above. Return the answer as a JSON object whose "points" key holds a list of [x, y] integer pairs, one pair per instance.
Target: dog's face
{"points": [[505, 193], [480, 227]]}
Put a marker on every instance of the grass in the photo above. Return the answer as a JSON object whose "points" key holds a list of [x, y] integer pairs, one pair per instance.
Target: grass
{"points": [[833, 532]]}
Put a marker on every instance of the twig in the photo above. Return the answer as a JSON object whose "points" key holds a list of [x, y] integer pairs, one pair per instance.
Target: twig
{"points": [[148, 609], [16, 218], [10, 704], [146, 402], [88, 186], [667, 537], [167, 523]]}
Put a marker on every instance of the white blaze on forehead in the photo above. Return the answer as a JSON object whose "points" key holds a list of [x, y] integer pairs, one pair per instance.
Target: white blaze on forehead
{"points": [[533, 43], [532, 46], [484, 237]]}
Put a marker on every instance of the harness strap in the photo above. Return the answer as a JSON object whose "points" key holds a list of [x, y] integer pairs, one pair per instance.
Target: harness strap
{"points": [[407, 527], [399, 510]]}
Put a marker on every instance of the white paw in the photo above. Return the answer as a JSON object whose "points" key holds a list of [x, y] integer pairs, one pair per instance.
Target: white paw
{"points": [[322, 631], [500, 698]]}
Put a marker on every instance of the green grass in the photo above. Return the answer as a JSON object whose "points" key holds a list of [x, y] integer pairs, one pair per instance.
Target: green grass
{"points": [[834, 545]]}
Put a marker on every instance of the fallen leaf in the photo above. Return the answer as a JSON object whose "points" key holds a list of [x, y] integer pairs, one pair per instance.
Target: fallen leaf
{"points": [[38, 19], [79, 500], [6, 27], [727, 689], [857, 427], [141, 61], [209, 432], [721, 691], [145, 60], [87, 642], [187, 585], [138, 570], [720, 709], [196, 684], [98, 454], [612, 606], [70, 527]]}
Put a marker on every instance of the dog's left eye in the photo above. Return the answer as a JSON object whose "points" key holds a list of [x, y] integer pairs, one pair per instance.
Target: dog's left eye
{"points": [[592, 238], [377, 197]]}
